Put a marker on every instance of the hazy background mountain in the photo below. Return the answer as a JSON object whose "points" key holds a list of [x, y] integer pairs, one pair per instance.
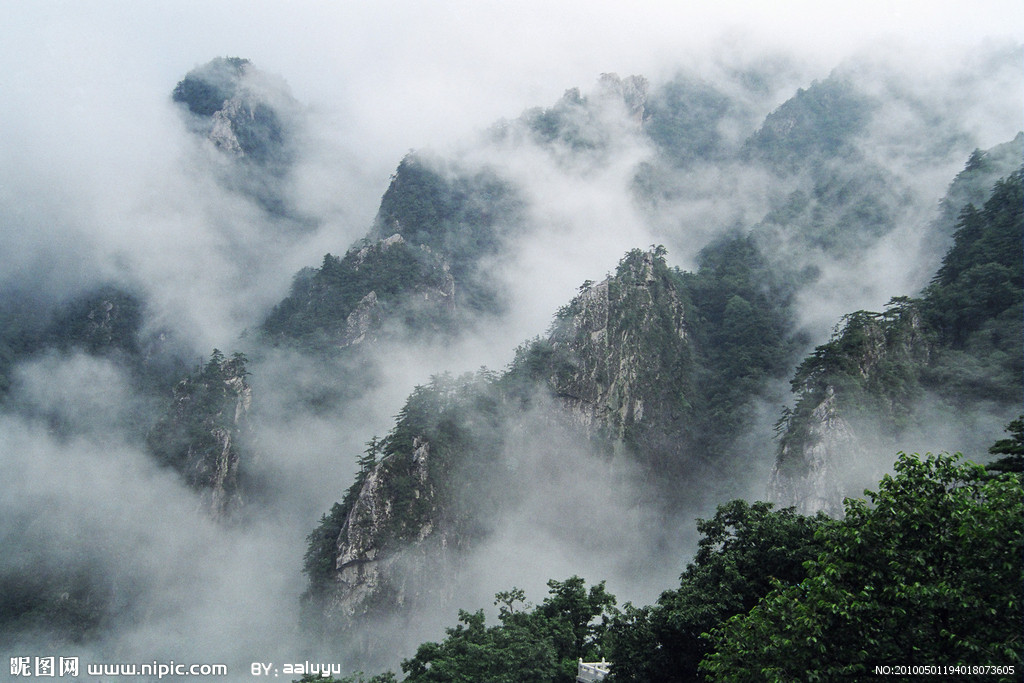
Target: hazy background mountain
{"points": [[793, 174]]}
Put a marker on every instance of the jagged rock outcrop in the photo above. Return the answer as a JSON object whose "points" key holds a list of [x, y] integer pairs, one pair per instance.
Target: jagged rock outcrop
{"points": [[806, 475], [615, 362], [251, 118], [349, 301], [957, 345], [238, 109], [369, 567], [632, 91], [871, 369], [623, 350], [201, 433], [396, 542]]}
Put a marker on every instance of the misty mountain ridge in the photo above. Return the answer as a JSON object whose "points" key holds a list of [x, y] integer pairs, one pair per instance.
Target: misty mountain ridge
{"points": [[649, 400]]}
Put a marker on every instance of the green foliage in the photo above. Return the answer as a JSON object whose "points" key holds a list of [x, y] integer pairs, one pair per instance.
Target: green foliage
{"points": [[537, 646], [571, 122], [189, 437], [960, 340], [357, 677], [694, 349], [930, 571], [204, 89], [321, 543], [1012, 449], [742, 326], [682, 119], [973, 185], [839, 210], [104, 321], [871, 359], [744, 549], [982, 277], [459, 215], [65, 605], [315, 312], [818, 122]]}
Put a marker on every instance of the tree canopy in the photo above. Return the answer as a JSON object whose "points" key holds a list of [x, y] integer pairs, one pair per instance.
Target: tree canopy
{"points": [[930, 571], [539, 645]]}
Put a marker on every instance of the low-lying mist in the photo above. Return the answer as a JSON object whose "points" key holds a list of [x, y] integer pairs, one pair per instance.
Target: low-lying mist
{"points": [[102, 181]]}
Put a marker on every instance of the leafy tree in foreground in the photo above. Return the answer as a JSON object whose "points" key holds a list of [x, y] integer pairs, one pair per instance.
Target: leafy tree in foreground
{"points": [[743, 549], [931, 572], [537, 646]]}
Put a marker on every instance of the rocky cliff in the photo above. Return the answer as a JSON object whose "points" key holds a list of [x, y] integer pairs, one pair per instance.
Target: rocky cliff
{"points": [[350, 300], [238, 108], [202, 433], [621, 362], [869, 371], [616, 366], [923, 364], [251, 118], [397, 540]]}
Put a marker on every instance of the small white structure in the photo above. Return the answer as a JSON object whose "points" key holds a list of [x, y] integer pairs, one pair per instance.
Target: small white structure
{"points": [[590, 672]]}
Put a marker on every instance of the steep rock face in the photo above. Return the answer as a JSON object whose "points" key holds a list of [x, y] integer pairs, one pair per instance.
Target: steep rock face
{"points": [[369, 565], [808, 480], [632, 91], [347, 301], [200, 435], [871, 368], [617, 362], [622, 350], [251, 118], [237, 108], [958, 345], [396, 540]]}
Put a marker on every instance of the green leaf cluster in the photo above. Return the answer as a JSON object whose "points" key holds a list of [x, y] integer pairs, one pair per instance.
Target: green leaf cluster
{"points": [[314, 313], [745, 548], [929, 572], [539, 645]]}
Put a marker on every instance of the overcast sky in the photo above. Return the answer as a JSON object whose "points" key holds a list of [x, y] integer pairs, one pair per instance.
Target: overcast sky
{"points": [[403, 74]]}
